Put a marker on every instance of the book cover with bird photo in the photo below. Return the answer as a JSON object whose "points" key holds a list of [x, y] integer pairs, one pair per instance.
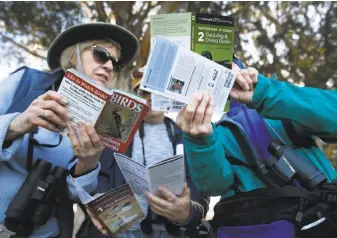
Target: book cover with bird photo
{"points": [[120, 119], [117, 210], [116, 115]]}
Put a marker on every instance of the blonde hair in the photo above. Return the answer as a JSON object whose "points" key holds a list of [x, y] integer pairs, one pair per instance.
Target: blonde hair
{"points": [[68, 56]]}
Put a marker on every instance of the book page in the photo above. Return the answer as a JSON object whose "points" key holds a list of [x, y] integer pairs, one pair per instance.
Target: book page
{"points": [[177, 73], [161, 103], [175, 28], [169, 173], [86, 99], [134, 173]]}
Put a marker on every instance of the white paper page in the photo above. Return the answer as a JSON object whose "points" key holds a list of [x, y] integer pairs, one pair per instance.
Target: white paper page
{"points": [[134, 173], [170, 174], [161, 103], [176, 72], [86, 99]]}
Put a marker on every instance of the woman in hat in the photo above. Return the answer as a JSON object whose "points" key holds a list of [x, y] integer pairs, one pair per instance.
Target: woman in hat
{"points": [[31, 113]]}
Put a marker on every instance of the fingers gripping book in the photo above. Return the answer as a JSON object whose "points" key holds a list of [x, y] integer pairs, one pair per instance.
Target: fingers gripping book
{"points": [[115, 114]]}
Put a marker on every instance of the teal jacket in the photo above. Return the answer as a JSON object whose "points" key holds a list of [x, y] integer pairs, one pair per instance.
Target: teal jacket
{"points": [[310, 109]]}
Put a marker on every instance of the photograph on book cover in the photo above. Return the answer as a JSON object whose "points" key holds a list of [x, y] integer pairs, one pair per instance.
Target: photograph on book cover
{"points": [[119, 210], [117, 121]]}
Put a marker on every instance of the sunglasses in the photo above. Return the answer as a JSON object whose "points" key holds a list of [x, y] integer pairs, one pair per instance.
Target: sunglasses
{"points": [[101, 55]]}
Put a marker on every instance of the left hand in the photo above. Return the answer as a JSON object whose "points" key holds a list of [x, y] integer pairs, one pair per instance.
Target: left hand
{"points": [[89, 151], [97, 224], [174, 208], [245, 81]]}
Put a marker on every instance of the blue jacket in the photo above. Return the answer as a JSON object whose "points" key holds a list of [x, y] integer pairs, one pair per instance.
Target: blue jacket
{"points": [[311, 110], [16, 94]]}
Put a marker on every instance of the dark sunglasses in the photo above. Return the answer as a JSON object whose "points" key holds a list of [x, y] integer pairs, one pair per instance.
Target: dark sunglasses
{"points": [[101, 55]]}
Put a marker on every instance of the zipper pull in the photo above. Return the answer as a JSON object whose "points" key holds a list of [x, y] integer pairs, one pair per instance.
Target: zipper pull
{"points": [[299, 215]]}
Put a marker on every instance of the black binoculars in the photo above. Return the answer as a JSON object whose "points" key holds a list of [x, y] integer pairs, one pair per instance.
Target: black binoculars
{"points": [[36, 199], [285, 166]]}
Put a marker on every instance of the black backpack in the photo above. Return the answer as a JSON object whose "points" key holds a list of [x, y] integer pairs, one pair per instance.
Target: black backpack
{"points": [[312, 213]]}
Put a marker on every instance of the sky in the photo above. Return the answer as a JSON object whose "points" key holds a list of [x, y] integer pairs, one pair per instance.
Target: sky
{"points": [[8, 66]]}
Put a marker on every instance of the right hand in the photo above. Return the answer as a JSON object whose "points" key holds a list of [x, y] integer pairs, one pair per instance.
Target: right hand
{"points": [[195, 118], [47, 111], [97, 223]]}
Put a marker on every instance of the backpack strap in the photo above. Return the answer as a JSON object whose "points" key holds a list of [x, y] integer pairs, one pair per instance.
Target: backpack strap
{"points": [[33, 84], [298, 139], [235, 161]]}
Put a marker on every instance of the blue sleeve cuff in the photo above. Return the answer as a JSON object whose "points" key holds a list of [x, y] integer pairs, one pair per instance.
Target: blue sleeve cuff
{"points": [[8, 152], [88, 181], [200, 141], [262, 86]]}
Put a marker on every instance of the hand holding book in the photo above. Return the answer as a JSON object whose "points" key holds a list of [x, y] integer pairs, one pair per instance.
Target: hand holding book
{"points": [[244, 85], [195, 118], [89, 151], [114, 114], [166, 204]]}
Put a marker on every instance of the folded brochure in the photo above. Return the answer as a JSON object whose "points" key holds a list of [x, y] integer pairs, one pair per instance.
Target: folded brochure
{"points": [[169, 173], [177, 73]]}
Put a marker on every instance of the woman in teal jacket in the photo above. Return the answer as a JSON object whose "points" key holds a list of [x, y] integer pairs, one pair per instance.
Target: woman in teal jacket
{"points": [[207, 146]]}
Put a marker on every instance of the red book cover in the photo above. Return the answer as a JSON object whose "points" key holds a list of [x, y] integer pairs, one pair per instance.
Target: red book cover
{"points": [[120, 119]]}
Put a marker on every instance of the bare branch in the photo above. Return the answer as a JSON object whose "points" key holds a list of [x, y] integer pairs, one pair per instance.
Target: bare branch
{"points": [[114, 10], [22, 47], [102, 16], [133, 17], [142, 17]]}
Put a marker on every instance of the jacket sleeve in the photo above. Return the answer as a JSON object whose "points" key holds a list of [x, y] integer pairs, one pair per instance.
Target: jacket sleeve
{"points": [[310, 109], [87, 182], [210, 170], [199, 203], [8, 87]]}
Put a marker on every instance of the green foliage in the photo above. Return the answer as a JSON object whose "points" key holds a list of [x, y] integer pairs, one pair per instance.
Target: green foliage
{"points": [[295, 40], [33, 25]]}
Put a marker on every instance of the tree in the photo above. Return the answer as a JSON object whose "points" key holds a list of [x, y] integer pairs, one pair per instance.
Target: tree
{"points": [[295, 40], [31, 26]]}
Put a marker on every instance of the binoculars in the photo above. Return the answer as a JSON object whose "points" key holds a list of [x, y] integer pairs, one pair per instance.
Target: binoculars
{"points": [[285, 166], [36, 199]]}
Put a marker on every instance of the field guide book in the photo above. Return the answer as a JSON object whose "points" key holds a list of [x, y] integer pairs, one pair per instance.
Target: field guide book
{"points": [[211, 36], [115, 114], [116, 210]]}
